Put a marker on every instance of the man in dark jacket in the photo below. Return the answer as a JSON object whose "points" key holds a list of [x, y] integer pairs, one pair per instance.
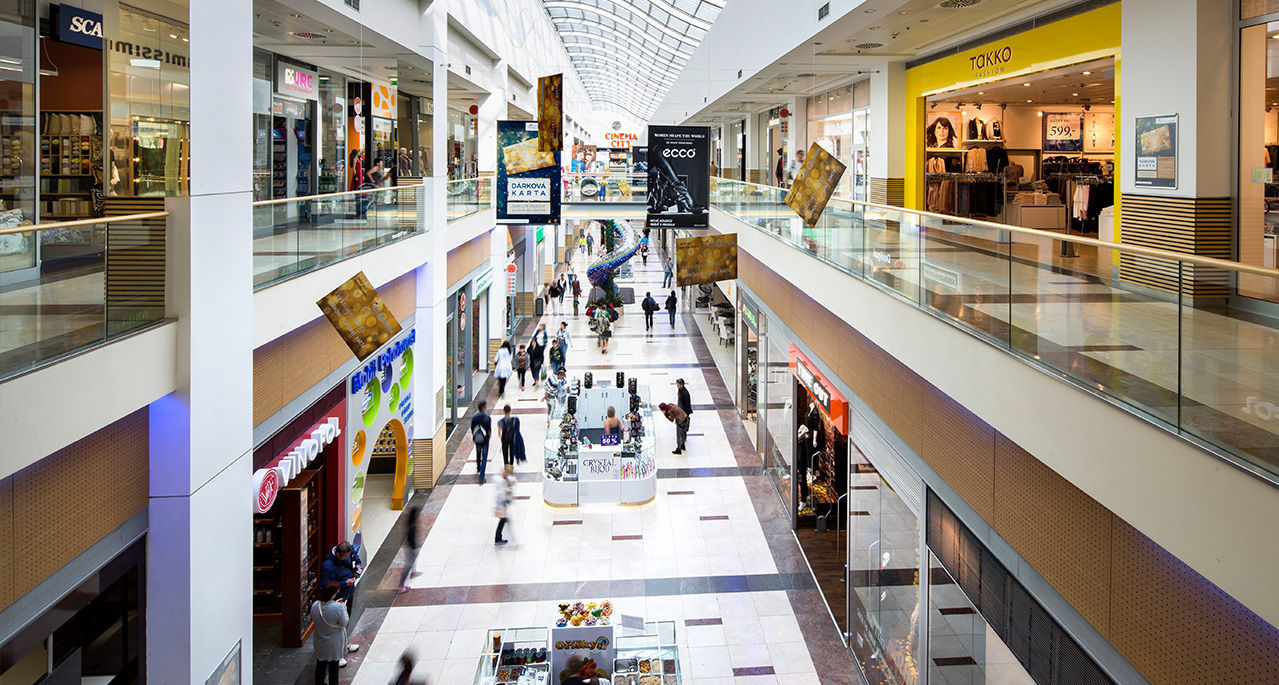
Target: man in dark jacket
{"points": [[685, 402], [481, 431], [671, 303], [650, 307], [342, 566]]}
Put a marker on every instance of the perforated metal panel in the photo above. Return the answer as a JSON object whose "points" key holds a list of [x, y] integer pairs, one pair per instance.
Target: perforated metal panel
{"points": [[1043, 648], [1176, 627], [961, 448], [6, 549], [69, 500]]}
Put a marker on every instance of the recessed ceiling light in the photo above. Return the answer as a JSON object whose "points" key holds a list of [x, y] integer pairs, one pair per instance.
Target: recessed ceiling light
{"points": [[1087, 73], [1025, 84], [904, 12], [1030, 101], [173, 35], [872, 11], [296, 16], [922, 21], [876, 28], [981, 92], [1075, 94], [1041, 114]]}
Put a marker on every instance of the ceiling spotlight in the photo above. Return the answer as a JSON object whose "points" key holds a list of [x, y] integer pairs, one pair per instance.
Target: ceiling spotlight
{"points": [[981, 92], [1030, 101], [904, 12], [1025, 84], [932, 105], [1087, 108], [1040, 113], [1075, 94], [173, 35], [979, 106], [1087, 73]]}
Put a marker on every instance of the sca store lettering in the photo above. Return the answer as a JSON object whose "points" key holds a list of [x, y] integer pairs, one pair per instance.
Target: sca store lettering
{"points": [[370, 371], [86, 26], [992, 62]]}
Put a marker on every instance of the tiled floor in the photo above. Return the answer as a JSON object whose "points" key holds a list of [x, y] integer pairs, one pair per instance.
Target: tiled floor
{"points": [[712, 552]]}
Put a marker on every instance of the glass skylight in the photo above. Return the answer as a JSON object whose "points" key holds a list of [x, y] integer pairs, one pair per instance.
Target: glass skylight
{"points": [[628, 52]]}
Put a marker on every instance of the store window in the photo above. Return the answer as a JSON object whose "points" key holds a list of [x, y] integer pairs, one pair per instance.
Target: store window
{"points": [[463, 147], [779, 419], [1259, 157], [17, 136], [839, 121], [332, 132]]}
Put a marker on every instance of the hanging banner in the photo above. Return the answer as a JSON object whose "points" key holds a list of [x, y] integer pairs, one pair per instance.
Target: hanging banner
{"points": [[1064, 132], [816, 182], [550, 113], [359, 315], [528, 180], [1157, 152], [678, 176], [705, 259], [1099, 132]]}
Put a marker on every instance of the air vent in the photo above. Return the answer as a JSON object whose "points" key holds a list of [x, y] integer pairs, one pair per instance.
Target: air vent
{"points": [[823, 11], [306, 35], [869, 46], [353, 4], [958, 4], [805, 75], [468, 70]]}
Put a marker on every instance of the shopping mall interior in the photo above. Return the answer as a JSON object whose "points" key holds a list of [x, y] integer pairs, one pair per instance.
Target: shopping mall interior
{"points": [[865, 342]]}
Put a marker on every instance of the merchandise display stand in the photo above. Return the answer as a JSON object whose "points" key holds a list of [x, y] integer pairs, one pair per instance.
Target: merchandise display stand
{"points": [[579, 468], [612, 653]]}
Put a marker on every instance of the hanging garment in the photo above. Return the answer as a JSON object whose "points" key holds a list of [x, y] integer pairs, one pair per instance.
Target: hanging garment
{"points": [[997, 158], [996, 130], [975, 161]]}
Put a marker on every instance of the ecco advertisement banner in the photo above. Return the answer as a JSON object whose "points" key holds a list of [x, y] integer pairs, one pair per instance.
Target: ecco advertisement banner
{"points": [[678, 176], [527, 178]]}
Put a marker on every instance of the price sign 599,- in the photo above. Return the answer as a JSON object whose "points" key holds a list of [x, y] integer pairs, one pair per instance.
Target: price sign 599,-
{"points": [[1064, 132]]}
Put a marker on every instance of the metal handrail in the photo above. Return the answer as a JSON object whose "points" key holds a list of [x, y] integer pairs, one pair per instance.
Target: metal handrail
{"points": [[82, 222], [1068, 237], [263, 203]]}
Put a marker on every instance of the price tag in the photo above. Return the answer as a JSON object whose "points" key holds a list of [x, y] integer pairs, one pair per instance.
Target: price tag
{"points": [[1064, 132]]}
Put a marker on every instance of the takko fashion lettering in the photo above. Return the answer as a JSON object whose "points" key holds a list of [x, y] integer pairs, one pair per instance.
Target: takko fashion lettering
{"points": [[991, 62], [370, 371]]}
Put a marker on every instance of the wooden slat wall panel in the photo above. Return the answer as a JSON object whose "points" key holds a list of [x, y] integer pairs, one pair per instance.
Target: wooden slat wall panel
{"points": [[888, 191], [279, 376], [429, 459], [467, 257], [9, 542], [69, 500], [135, 263], [960, 448], [1198, 226], [1179, 629], [1062, 532]]}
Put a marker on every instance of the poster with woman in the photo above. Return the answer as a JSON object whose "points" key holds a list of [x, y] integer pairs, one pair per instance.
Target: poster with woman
{"points": [[940, 131], [583, 159]]}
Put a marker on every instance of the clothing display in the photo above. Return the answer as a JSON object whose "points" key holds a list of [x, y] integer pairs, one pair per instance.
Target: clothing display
{"points": [[1087, 195], [972, 194]]}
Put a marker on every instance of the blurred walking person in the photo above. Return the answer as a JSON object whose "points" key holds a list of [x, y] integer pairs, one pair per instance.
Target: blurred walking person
{"points": [[501, 506], [412, 538]]}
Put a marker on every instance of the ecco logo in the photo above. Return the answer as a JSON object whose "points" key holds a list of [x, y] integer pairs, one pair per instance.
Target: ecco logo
{"points": [[687, 153]]}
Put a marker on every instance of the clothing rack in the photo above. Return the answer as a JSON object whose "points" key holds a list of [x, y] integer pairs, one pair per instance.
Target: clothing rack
{"points": [[982, 177], [1099, 193], [959, 194]]}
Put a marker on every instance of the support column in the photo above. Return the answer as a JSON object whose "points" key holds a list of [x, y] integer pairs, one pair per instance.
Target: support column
{"points": [[493, 107], [797, 122], [200, 587], [429, 456], [1194, 39], [753, 174], [887, 168]]}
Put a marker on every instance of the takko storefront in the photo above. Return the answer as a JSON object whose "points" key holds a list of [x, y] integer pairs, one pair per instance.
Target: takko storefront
{"points": [[994, 115]]}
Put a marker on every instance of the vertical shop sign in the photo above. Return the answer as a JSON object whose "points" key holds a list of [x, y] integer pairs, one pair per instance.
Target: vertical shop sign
{"points": [[1157, 152], [678, 176], [528, 180], [1064, 132], [815, 184], [550, 113]]}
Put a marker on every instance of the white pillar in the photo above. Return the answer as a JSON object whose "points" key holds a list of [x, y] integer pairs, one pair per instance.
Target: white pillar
{"points": [[493, 107], [752, 151], [887, 121], [199, 586]]}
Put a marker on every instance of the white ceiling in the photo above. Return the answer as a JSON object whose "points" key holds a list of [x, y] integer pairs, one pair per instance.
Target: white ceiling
{"points": [[1064, 86]]}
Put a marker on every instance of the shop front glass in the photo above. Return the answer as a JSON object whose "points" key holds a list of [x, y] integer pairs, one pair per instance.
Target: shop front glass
{"points": [[331, 146], [463, 159], [779, 421], [883, 578], [1259, 157], [962, 647], [150, 106], [839, 121], [748, 350], [17, 134]]}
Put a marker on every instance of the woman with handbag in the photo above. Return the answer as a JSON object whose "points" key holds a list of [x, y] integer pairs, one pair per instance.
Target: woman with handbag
{"points": [[503, 366], [330, 619]]}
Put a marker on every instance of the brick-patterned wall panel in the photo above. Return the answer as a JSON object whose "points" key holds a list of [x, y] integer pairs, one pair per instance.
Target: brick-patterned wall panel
{"points": [[1176, 627], [961, 448], [1062, 532], [400, 295], [467, 257], [71, 499], [9, 542]]}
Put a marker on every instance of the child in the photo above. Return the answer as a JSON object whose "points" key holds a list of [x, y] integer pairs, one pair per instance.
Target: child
{"points": [[577, 298], [521, 365]]}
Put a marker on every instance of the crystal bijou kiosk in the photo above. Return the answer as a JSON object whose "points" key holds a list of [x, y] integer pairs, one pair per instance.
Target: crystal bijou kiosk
{"points": [[584, 466]]}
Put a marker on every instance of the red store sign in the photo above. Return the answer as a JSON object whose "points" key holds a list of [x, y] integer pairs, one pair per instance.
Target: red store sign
{"points": [[268, 481]]}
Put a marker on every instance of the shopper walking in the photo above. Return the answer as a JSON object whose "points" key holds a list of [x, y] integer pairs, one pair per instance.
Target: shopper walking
{"points": [[590, 244], [668, 269], [671, 303], [779, 172], [537, 352], [603, 328], [577, 289], [676, 416], [501, 505], [561, 288], [481, 429], [563, 336], [650, 308], [508, 430], [413, 540], [581, 244], [502, 366], [330, 617], [404, 674], [521, 366], [557, 357], [551, 297], [685, 401]]}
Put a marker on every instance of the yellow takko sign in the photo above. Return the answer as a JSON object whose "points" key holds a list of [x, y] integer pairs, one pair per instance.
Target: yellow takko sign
{"points": [[991, 62]]}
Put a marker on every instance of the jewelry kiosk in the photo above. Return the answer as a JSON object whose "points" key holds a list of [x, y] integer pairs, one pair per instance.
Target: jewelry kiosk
{"points": [[583, 466]]}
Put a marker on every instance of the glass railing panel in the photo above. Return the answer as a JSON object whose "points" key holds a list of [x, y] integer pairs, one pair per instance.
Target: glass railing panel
{"points": [[465, 197], [963, 273], [294, 236], [605, 187], [106, 280]]}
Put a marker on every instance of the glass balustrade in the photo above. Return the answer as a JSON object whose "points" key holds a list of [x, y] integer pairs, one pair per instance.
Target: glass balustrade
{"points": [[1148, 329], [606, 187], [468, 196], [95, 281], [294, 235]]}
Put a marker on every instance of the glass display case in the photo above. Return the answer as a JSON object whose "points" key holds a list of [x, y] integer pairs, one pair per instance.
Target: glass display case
{"points": [[515, 655], [521, 656], [647, 657], [578, 467]]}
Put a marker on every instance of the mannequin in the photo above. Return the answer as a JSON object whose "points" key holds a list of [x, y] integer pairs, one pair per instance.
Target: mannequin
{"points": [[811, 439]]}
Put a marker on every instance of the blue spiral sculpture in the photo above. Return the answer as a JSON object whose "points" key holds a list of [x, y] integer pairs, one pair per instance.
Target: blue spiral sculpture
{"points": [[600, 273]]}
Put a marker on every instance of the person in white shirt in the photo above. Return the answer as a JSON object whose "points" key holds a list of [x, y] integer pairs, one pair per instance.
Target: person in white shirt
{"points": [[792, 170]]}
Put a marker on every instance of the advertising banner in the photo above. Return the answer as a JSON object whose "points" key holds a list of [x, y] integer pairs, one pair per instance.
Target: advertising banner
{"points": [[550, 113], [592, 644], [359, 315], [940, 132], [705, 259], [679, 175], [1157, 152], [816, 182], [583, 159], [1099, 132], [379, 420], [1064, 132], [528, 180]]}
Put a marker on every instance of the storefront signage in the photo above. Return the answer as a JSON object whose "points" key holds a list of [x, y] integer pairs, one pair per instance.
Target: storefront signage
{"points": [[1064, 132], [621, 139], [79, 27], [1157, 152], [590, 643], [748, 315], [268, 480], [266, 485], [291, 79], [831, 402], [990, 62], [599, 468], [371, 370], [288, 109], [483, 281]]}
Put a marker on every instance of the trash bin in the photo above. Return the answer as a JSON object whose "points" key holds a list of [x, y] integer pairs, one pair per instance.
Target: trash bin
{"points": [[539, 306]]}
